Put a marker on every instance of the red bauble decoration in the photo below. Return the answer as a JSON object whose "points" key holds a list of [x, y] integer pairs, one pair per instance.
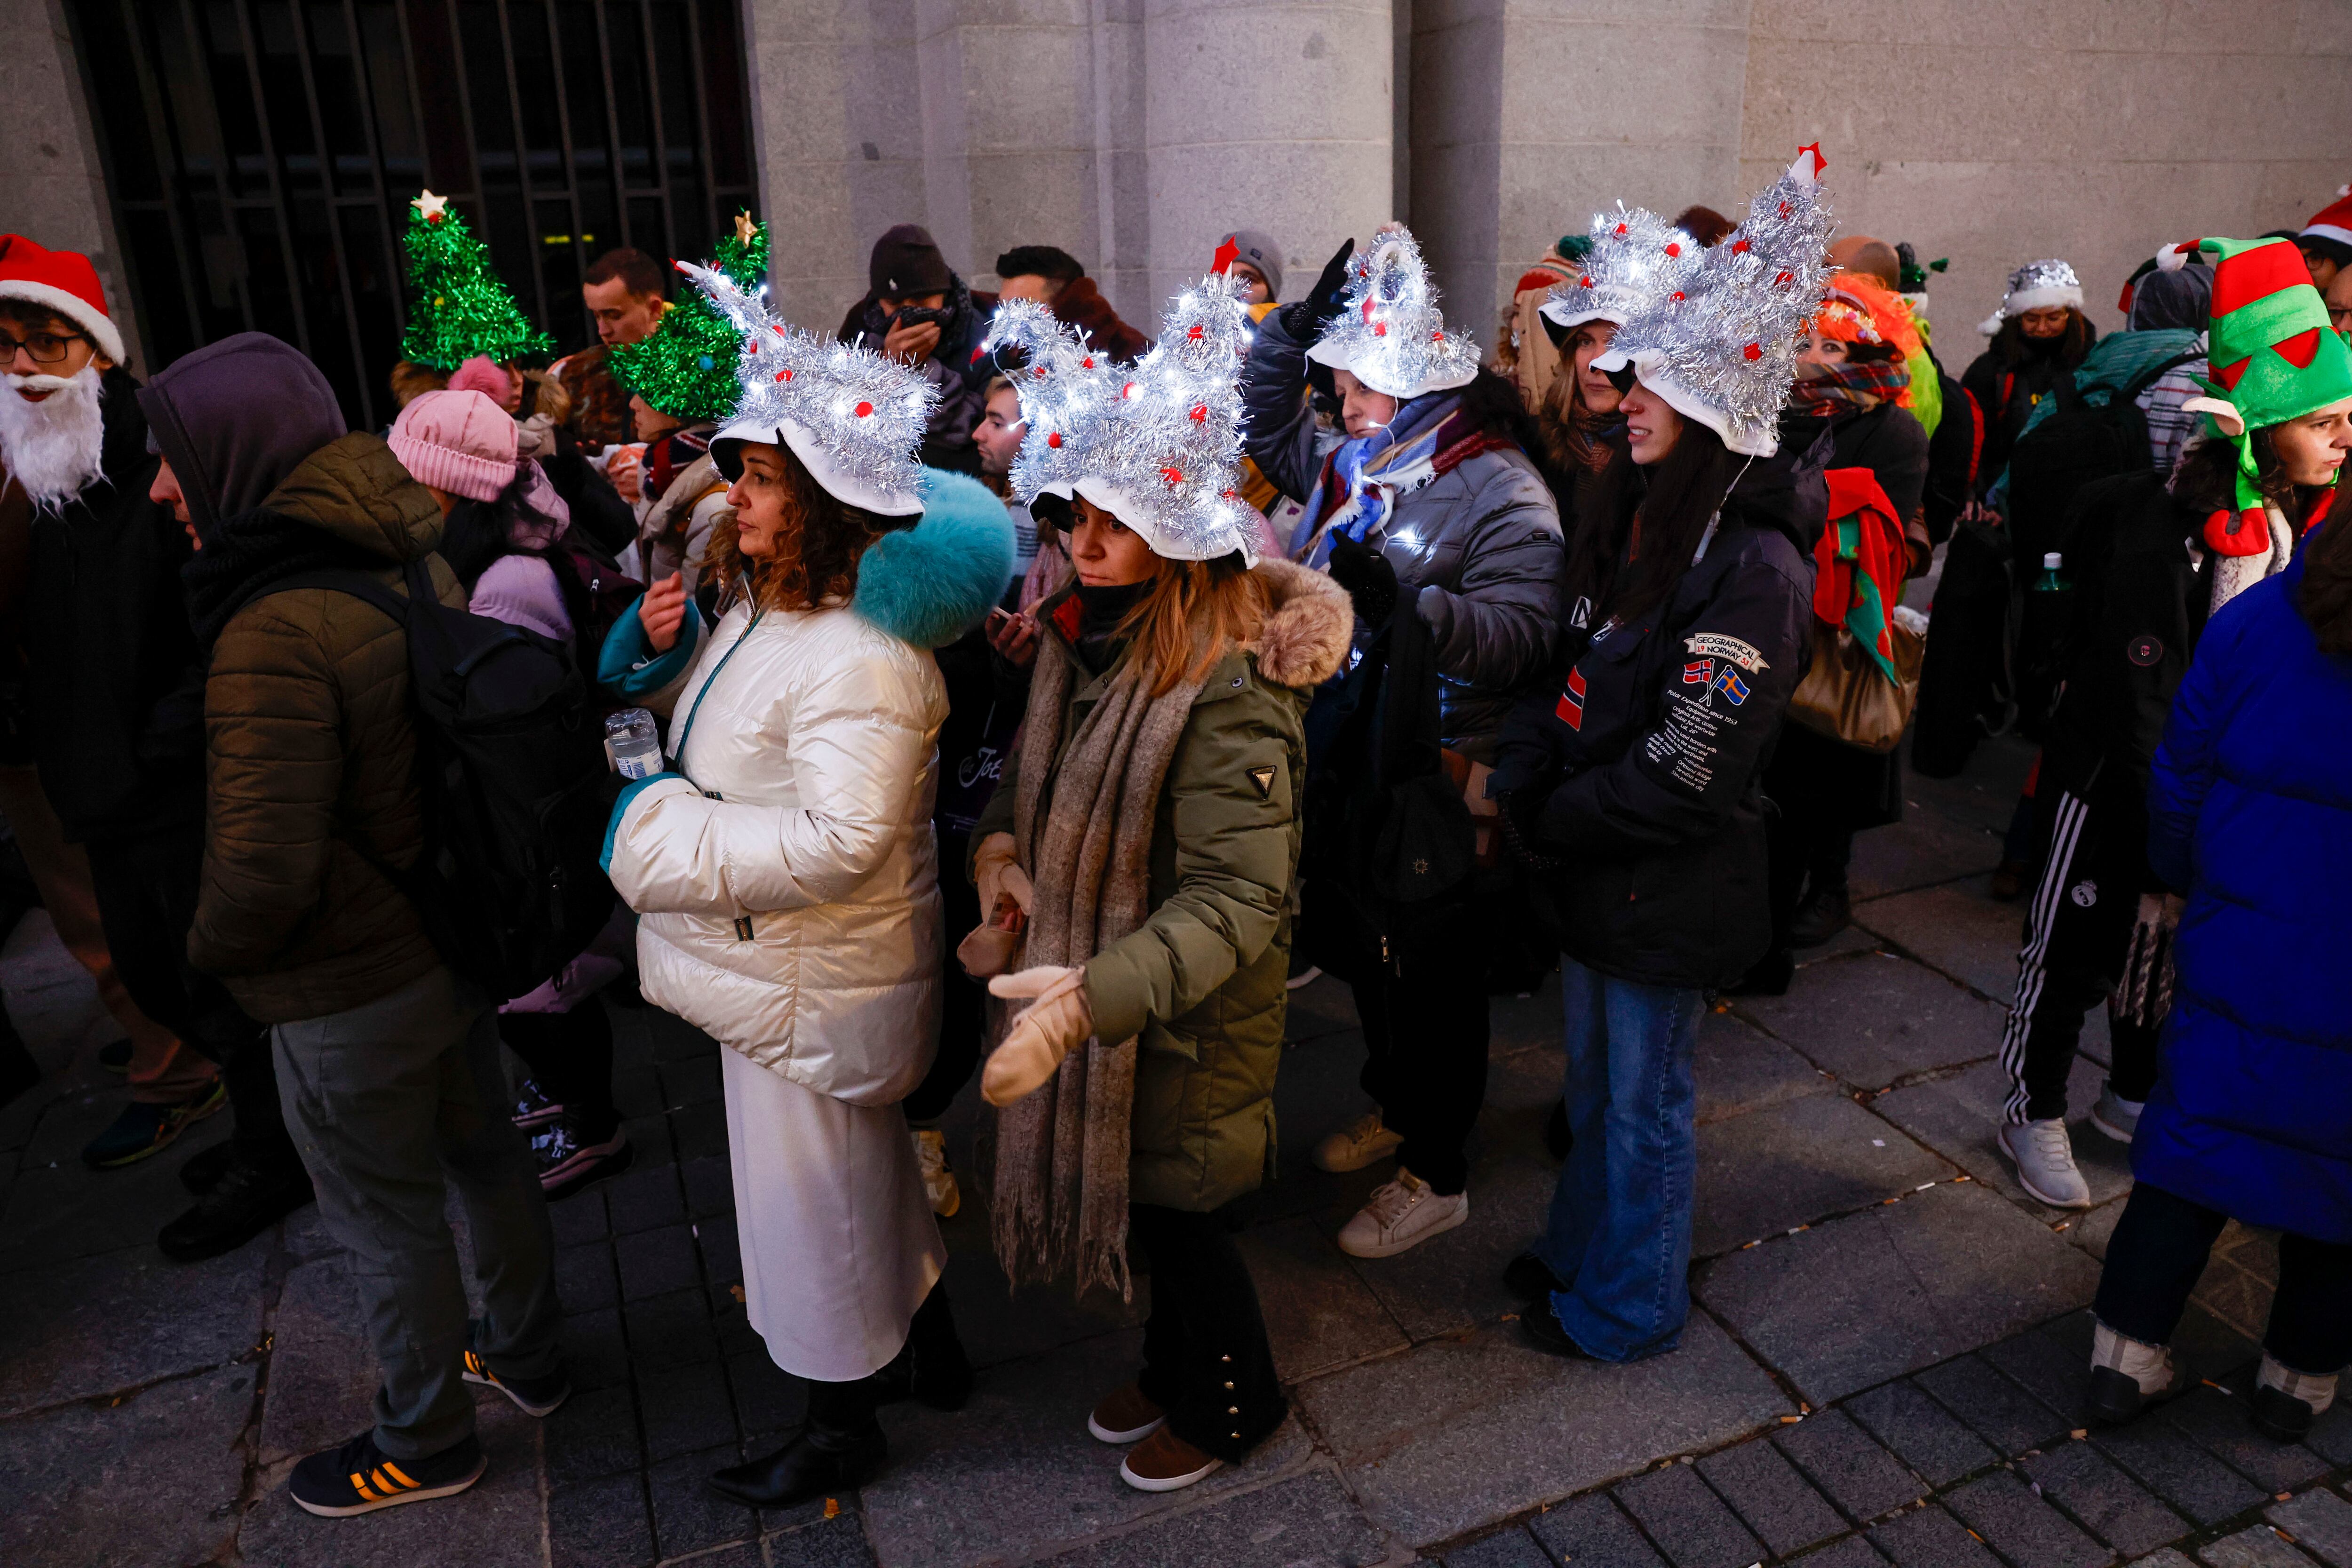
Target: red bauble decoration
{"points": [[1738, 247], [1054, 439], [1753, 352], [1200, 414], [1379, 329], [1674, 249], [1173, 475], [1196, 332], [862, 409]]}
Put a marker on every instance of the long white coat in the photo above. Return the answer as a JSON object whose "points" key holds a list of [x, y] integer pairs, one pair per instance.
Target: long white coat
{"points": [[789, 895]]}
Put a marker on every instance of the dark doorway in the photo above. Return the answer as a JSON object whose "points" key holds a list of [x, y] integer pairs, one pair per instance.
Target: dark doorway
{"points": [[262, 155]]}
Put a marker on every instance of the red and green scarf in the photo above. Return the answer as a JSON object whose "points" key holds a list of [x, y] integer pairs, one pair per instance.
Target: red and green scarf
{"points": [[1859, 564]]}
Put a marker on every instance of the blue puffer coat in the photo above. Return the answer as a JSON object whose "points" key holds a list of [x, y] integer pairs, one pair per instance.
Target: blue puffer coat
{"points": [[2250, 808]]}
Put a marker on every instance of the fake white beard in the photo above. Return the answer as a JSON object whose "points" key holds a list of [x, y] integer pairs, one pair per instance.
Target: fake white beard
{"points": [[52, 448]]}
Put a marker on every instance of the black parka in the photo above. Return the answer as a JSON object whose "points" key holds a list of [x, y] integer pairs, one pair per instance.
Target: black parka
{"points": [[1637, 784], [116, 683]]}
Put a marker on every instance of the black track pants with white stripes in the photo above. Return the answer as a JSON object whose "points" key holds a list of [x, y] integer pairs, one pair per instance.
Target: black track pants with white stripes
{"points": [[2077, 929]]}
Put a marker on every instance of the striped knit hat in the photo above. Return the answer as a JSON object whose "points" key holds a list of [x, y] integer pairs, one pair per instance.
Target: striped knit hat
{"points": [[2273, 359]]}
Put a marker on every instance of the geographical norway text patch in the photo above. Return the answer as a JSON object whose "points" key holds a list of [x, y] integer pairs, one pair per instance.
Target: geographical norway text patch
{"points": [[1718, 645], [1569, 710]]}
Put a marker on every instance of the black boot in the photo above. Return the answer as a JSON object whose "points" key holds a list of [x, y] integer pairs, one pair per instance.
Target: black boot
{"points": [[840, 1449], [1770, 976], [244, 1201], [931, 1366], [1826, 911]]}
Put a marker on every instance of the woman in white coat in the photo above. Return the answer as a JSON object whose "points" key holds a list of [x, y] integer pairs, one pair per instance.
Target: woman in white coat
{"points": [[786, 869]]}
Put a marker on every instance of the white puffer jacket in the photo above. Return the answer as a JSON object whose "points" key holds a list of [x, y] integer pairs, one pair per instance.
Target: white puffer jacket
{"points": [[789, 880]]}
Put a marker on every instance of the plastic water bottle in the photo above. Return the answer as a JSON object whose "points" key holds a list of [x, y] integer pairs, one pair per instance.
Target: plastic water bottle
{"points": [[2053, 579], [633, 743]]}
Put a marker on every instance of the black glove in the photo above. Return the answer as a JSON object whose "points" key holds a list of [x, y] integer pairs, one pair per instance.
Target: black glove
{"points": [[1369, 578], [1304, 320]]}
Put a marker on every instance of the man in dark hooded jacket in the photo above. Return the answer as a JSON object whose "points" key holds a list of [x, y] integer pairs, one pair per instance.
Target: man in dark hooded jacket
{"points": [[387, 1061], [920, 312]]}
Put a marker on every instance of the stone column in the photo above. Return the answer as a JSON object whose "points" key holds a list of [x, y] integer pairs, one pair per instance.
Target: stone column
{"points": [[1268, 114], [1528, 115], [51, 187]]}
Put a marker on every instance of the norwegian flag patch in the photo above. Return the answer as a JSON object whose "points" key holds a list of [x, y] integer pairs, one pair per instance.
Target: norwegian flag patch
{"points": [[1698, 672], [1569, 710]]}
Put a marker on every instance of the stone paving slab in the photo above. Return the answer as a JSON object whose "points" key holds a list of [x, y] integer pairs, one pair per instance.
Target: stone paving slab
{"points": [[1928, 847], [1826, 1154], [1014, 1473], [1592, 1531], [322, 1378], [1692, 1526], [1740, 1070], [2015, 1522], [1771, 1498], [1306, 1521], [2321, 1523], [152, 1480], [1873, 1018], [2110, 1504], [2258, 1547], [1874, 1295], [1863, 1479], [1931, 1538], [1318, 1313], [1455, 1282], [1938, 1446], [1467, 1429], [100, 1325], [1955, 927]]}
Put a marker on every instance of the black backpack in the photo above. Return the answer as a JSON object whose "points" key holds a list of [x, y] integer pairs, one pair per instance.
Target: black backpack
{"points": [[2076, 445], [516, 790]]}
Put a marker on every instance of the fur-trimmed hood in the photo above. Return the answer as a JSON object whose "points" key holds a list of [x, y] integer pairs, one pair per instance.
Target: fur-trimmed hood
{"points": [[930, 583], [1307, 627]]}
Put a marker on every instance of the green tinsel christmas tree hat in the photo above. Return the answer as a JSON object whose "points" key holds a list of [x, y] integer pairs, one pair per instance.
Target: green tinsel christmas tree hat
{"points": [[2273, 358], [686, 367], [457, 308]]}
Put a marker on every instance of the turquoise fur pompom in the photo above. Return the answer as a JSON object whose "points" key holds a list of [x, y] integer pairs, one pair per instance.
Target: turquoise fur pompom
{"points": [[930, 583]]}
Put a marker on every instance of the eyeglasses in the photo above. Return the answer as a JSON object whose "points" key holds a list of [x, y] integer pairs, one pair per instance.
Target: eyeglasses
{"points": [[2339, 316], [46, 348]]}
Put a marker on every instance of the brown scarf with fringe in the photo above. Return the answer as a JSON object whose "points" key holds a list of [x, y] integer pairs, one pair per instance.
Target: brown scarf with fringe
{"points": [[1059, 1180]]}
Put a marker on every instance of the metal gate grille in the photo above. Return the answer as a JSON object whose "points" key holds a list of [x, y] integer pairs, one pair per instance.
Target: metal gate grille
{"points": [[260, 155]]}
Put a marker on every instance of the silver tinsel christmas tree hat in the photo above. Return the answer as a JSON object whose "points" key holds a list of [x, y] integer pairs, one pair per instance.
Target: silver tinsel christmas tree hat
{"points": [[1156, 444], [1635, 253], [1392, 337], [1724, 351], [2033, 287], [854, 418]]}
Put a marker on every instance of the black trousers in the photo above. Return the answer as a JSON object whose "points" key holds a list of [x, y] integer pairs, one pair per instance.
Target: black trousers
{"points": [[962, 1000], [569, 1055], [1425, 1036], [146, 888], [2078, 929], [1205, 1357], [2160, 1248]]}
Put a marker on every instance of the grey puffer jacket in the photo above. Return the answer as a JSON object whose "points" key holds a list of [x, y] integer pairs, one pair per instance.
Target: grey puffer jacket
{"points": [[1479, 545]]}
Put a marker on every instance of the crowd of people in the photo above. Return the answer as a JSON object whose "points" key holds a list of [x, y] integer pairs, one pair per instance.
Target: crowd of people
{"points": [[1039, 698]]}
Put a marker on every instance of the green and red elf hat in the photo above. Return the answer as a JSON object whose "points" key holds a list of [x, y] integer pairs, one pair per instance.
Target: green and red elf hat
{"points": [[2272, 356]]}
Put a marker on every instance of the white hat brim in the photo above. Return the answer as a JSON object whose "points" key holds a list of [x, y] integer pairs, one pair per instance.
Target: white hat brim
{"points": [[1328, 351], [1140, 519], [1648, 368], [844, 488], [73, 307]]}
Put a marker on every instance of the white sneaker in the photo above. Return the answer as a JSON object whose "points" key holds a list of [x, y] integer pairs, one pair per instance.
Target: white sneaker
{"points": [[938, 1181], [1401, 1215], [2045, 1163], [2117, 1117], [1363, 1143]]}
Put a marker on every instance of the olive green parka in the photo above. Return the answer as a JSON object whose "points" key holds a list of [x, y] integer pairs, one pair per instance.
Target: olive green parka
{"points": [[1201, 980]]}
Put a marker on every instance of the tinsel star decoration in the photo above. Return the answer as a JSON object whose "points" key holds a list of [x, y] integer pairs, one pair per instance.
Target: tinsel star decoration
{"points": [[1630, 256], [457, 308], [855, 418], [686, 366], [1156, 444], [1390, 335], [1726, 352]]}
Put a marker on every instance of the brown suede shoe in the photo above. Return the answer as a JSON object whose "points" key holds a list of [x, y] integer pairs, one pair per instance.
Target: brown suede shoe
{"points": [[1125, 1416], [1164, 1462]]}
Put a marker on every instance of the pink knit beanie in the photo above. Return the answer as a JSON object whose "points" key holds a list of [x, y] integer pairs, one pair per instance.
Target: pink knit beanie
{"points": [[483, 374], [461, 442]]}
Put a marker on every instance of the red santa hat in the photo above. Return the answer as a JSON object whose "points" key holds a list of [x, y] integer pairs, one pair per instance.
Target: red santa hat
{"points": [[63, 281], [2332, 222]]}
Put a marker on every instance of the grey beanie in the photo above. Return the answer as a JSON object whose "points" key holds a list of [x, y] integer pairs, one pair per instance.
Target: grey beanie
{"points": [[1259, 250]]}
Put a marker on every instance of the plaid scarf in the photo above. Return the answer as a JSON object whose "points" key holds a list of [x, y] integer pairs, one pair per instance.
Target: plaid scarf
{"points": [[1851, 386], [1361, 479]]}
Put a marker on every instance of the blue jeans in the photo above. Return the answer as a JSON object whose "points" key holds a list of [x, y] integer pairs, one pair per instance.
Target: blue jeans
{"points": [[1619, 1230]]}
